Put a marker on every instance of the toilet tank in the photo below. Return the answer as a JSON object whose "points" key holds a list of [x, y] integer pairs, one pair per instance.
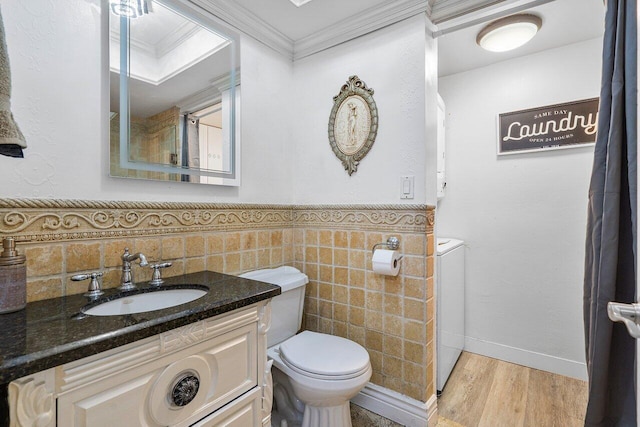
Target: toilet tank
{"points": [[286, 308]]}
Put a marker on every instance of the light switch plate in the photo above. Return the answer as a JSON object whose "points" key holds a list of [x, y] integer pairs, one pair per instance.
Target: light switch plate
{"points": [[407, 184]]}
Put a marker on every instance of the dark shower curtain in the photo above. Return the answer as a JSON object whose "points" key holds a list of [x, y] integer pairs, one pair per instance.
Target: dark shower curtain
{"points": [[610, 270]]}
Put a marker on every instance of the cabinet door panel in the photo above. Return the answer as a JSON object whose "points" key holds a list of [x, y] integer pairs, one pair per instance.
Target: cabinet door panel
{"points": [[115, 406], [244, 412]]}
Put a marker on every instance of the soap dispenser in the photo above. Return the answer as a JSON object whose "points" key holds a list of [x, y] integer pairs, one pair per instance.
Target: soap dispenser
{"points": [[13, 277]]}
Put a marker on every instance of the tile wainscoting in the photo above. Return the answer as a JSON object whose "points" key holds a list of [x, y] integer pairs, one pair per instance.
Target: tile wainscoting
{"points": [[393, 317]]}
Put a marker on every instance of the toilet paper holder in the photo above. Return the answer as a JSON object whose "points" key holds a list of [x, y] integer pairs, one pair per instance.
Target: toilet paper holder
{"points": [[392, 243]]}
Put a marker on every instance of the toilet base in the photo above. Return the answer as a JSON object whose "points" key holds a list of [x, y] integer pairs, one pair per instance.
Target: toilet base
{"points": [[289, 411], [325, 416]]}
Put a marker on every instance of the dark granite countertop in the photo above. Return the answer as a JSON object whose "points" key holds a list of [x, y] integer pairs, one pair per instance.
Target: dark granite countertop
{"points": [[52, 332]]}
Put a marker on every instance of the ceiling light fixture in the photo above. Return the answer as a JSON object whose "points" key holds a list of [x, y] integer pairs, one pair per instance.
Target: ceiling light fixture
{"points": [[299, 3], [130, 8], [509, 33]]}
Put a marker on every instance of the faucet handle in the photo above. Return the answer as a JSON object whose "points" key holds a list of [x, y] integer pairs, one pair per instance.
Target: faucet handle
{"points": [[94, 287], [156, 278]]}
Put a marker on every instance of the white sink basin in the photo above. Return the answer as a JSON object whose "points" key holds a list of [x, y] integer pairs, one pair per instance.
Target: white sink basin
{"points": [[140, 303]]}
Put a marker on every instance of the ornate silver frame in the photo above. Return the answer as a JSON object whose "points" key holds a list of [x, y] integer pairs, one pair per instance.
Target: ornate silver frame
{"points": [[360, 133]]}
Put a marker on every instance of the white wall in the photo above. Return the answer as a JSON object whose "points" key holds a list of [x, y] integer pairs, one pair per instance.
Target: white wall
{"points": [[56, 50], [523, 217], [392, 62]]}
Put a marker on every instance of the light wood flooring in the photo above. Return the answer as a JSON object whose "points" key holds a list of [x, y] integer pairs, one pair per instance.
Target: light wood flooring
{"points": [[487, 392]]}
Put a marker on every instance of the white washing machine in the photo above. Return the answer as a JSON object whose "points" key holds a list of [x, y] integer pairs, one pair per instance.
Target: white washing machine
{"points": [[450, 285]]}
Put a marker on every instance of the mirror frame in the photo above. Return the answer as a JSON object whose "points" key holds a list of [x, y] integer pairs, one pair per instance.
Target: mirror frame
{"points": [[207, 20]]}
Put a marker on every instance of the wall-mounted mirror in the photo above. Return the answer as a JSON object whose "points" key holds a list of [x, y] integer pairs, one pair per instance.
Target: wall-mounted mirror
{"points": [[174, 93]]}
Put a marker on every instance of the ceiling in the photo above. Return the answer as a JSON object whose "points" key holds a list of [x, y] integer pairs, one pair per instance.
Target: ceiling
{"points": [[320, 24]]}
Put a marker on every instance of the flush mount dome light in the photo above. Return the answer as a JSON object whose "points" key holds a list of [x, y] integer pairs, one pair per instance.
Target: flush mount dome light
{"points": [[509, 33]]}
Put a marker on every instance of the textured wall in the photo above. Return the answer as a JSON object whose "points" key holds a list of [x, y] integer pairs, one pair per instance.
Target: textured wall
{"points": [[522, 216], [391, 61], [60, 100]]}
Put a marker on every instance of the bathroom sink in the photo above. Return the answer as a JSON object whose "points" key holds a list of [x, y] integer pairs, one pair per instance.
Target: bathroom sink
{"points": [[147, 301]]}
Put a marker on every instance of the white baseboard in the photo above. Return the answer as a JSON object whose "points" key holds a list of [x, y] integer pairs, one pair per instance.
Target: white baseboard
{"points": [[532, 359], [397, 407]]}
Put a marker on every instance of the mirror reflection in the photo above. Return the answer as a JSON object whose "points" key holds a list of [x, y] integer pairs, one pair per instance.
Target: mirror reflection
{"points": [[173, 95]]}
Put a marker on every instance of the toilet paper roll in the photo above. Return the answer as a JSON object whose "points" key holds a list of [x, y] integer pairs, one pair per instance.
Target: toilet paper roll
{"points": [[386, 262]]}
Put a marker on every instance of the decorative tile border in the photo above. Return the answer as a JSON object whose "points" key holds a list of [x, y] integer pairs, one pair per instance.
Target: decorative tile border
{"points": [[61, 220], [408, 218]]}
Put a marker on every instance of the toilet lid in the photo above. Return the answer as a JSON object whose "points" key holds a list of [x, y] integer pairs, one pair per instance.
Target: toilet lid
{"points": [[322, 355]]}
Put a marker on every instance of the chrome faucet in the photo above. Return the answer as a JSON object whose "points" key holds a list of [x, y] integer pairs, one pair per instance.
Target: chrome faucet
{"points": [[126, 283]]}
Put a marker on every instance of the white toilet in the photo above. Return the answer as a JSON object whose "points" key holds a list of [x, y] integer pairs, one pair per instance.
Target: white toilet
{"points": [[314, 374]]}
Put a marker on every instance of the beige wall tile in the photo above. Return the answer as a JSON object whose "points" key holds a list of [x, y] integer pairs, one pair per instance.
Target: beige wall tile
{"points": [[43, 260], [111, 278], [341, 257], [113, 250], [341, 294], [39, 289], [357, 240], [392, 346], [232, 263], [194, 246], [356, 259], [341, 312], [392, 366], [311, 237], [215, 263], [326, 238], [172, 248], [193, 265], [414, 331], [356, 315], [215, 243], [248, 240], [264, 258], [341, 275], [326, 256], [149, 246], [414, 352], [356, 297], [373, 301], [356, 278], [340, 239], [413, 244], [83, 257], [311, 254], [276, 238], [326, 273], [393, 325], [325, 291], [373, 340], [414, 266], [373, 320], [232, 242], [248, 261], [264, 239]]}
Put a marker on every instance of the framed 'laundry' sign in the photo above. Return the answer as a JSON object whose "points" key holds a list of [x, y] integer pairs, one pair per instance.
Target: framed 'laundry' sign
{"points": [[572, 124]]}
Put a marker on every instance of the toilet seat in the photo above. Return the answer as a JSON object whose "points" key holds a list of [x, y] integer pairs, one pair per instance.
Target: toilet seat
{"points": [[324, 356]]}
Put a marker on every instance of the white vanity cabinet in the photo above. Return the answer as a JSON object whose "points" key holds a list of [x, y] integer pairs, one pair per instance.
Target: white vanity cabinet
{"points": [[210, 373]]}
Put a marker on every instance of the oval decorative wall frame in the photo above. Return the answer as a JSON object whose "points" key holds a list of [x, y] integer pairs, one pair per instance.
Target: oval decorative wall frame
{"points": [[353, 123]]}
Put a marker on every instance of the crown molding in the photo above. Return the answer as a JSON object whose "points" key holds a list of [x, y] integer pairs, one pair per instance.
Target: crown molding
{"points": [[444, 10], [248, 23], [355, 26]]}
